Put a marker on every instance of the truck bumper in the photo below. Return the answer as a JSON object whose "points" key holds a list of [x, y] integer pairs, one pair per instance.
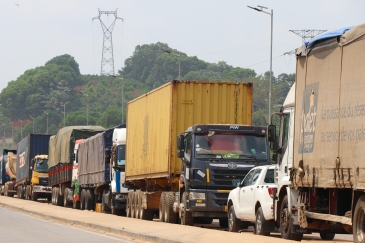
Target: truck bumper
{"points": [[42, 189], [214, 204]]}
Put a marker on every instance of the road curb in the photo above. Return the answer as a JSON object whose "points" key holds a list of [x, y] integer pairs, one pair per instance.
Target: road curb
{"points": [[93, 226]]}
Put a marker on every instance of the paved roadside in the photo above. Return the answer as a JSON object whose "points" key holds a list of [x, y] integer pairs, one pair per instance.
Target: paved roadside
{"points": [[151, 231]]}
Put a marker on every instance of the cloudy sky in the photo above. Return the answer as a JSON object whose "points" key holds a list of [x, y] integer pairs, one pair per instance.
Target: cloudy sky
{"points": [[35, 31]]}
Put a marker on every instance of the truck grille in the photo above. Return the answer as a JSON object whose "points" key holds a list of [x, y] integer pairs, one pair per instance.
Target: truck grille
{"points": [[225, 177], [43, 181], [220, 199]]}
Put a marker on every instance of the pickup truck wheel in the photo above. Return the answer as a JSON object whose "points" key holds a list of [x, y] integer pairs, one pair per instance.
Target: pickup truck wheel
{"points": [[186, 216], [359, 221], [170, 215], [286, 223], [82, 199], [234, 224], [327, 235], [260, 221], [161, 208]]}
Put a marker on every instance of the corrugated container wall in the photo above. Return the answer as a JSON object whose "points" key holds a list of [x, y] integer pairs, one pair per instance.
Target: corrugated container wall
{"points": [[329, 113], [155, 119], [27, 149]]}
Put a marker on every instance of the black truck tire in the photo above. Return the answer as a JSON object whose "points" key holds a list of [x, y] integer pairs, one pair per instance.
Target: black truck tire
{"points": [[66, 203], [89, 200], [34, 197], [260, 222], [104, 205], [27, 192], [52, 196], [358, 221], [128, 205], [223, 223], [82, 199], [170, 215], [186, 216], [327, 235], [6, 190], [286, 223], [161, 208], [144, 214], [234, 224], [137, 204]]}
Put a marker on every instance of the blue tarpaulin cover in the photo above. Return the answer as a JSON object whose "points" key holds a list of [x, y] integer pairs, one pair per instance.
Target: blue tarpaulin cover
{"points": [[309, 44]]}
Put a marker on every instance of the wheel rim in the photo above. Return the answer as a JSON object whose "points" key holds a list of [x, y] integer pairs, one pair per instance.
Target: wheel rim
{"points": [[360, 227], [258, 223], [230, 220], [284, 220]]}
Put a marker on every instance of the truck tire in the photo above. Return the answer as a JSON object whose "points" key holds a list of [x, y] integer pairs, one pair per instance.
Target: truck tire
{"points": [[22, 196], [59, 197], [327, 235], [34, 197], [104, 205], [260, 222], [128, 205], [223, 223], [131, 205], [234, 224], [89, 200], [27, 192], [19, 192], [170, 215], [137, 203], [5, 190], [66, 203], [144, 214], [359, 221], [52, 196], [186, 216], [82, 199], [286, 223], [161, 208]]}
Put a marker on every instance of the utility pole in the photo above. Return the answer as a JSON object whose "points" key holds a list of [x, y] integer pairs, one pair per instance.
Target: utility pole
{"points": [[107, 58]]}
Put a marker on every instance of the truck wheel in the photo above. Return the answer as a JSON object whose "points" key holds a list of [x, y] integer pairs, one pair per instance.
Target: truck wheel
{"points": [[22, 192], [327, 235], [104, 205], [359, 221], [6, 190], [82, 199], [65, 201], [128, 205], [234, 224], [223, 223], [34, 196], [137, 204], [89, 200], [170, 215], [259, 223], [161, 208], [286, 223], [18, 192], [131, 205], [27, 192], [186, 216]]}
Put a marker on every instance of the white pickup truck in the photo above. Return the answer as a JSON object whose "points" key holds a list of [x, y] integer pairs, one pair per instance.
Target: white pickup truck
{"points": [[251, 203]]}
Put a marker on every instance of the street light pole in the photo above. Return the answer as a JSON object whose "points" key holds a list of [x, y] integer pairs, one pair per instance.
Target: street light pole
{"points": [[175, 54], [260, 9], [87, 107]]}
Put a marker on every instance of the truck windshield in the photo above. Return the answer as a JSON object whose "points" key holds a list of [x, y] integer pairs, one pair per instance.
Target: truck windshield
{"points": [[41, 165], [232, 146], [121, 155]]}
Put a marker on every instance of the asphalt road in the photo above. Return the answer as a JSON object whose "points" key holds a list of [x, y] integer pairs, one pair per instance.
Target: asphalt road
{"points": [[18, 227]]}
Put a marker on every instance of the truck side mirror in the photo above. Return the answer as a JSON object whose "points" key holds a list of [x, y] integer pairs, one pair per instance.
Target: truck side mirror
{"points": [[271, 133], [180, 142]]}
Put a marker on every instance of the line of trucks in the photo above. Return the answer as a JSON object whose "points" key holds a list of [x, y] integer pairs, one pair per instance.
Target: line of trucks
{"points": [[184, 144]]}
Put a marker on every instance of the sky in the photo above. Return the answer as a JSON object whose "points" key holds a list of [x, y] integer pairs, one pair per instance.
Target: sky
{"points": [[35, 31]]}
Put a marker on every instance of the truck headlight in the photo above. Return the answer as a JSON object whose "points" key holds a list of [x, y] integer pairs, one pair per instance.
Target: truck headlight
{"points": [[196, 195]]}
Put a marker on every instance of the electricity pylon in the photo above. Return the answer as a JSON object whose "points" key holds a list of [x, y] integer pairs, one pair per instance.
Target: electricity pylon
{"points": [[306, 36], [107, 58]]}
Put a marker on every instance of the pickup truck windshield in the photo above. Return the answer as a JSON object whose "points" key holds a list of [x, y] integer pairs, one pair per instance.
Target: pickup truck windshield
{"points": [[41, 165], [230, 146]]}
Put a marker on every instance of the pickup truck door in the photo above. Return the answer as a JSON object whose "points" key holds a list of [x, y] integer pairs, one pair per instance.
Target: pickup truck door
{"points": [[242, 193], [248, 201]]}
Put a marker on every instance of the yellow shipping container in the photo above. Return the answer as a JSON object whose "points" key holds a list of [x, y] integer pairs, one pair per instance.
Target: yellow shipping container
{"points": [[155, 119]]}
